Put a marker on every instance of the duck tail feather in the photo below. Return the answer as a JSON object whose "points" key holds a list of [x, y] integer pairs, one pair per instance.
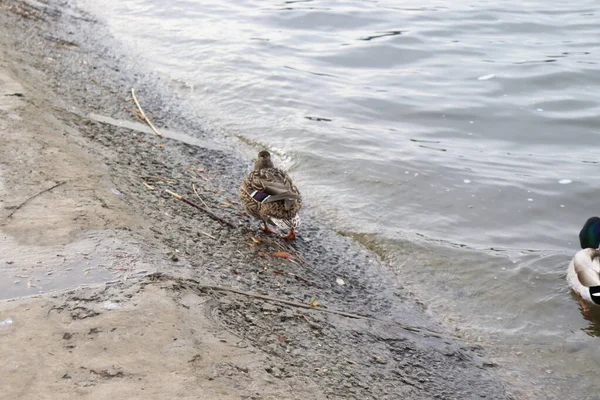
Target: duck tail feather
{"points": [[287, 223]]}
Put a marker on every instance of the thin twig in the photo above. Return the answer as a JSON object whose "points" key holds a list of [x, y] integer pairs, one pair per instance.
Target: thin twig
{"points": [[33, 197], [326, 310], [107, 88], [298, 277], [301, 278], [312, 324], [199, 207], [201, 199], [210, 236], [144, 114], [195, 285], [160, 178]]}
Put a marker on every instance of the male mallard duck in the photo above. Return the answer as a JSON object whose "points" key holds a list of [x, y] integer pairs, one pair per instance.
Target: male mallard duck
{"points": [[269, 195], [583, 274]]}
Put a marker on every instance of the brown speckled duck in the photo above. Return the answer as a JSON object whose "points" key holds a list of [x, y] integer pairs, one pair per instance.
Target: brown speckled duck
{"points": [[268, 194]]}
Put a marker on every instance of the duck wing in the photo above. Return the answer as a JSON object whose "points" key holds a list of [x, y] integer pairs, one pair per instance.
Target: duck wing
{"points": [[271, 184], [586, 267], [588, 277]]}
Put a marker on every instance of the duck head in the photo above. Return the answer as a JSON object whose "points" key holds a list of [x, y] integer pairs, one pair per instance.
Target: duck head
{"points": [[263, 160], [589, 237]]}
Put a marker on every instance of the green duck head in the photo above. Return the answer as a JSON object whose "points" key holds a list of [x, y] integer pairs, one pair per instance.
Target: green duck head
{"points": [[263, 160], [589, 237]]}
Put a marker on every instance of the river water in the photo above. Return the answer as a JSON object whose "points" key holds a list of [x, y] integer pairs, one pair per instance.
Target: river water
{"points": [[458, 139]]}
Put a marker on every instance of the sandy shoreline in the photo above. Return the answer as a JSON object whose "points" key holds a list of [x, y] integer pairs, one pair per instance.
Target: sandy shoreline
{"points": [[155, 330]]}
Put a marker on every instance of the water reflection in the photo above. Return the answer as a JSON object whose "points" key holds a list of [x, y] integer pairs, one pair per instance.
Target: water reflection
{"points": [[591, 314]]}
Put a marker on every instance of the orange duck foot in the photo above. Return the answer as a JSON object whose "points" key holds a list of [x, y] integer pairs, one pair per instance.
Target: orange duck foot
{"points": [[290, 236], [584, 307], [266, 228]]}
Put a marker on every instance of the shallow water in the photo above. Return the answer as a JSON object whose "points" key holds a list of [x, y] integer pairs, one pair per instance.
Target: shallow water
{"points": [[458, 137], [29, 270]]}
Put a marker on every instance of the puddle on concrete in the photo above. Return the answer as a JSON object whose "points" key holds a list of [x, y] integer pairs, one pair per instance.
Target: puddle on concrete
{"points": [[139, 127], [100, 256]]}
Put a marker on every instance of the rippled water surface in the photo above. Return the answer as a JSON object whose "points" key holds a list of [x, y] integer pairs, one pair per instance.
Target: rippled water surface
{"points": [[459, 137]]}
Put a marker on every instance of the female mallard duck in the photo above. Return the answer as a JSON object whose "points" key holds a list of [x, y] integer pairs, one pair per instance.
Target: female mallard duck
{"points": [[269, 195], [583, 274]]}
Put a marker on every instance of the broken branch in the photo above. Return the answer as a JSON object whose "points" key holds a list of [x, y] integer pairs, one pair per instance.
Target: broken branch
{"points": [[195, 286], [199, 207], [33, 197], [202, 200], [144, 114], [326, 310], [160, 179]]}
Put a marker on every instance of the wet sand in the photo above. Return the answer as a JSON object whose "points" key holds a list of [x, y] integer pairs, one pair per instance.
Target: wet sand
{"points": [[122, 280]]}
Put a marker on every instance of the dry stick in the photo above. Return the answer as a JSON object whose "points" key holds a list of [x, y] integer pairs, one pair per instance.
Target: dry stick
{"points": [[301, 278], [298, 277], [210, 236], [107, 89], [160, 178], [33, 197], [312, 324], [326, 310], [199, 207], [201, 199], [144, 114]]}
